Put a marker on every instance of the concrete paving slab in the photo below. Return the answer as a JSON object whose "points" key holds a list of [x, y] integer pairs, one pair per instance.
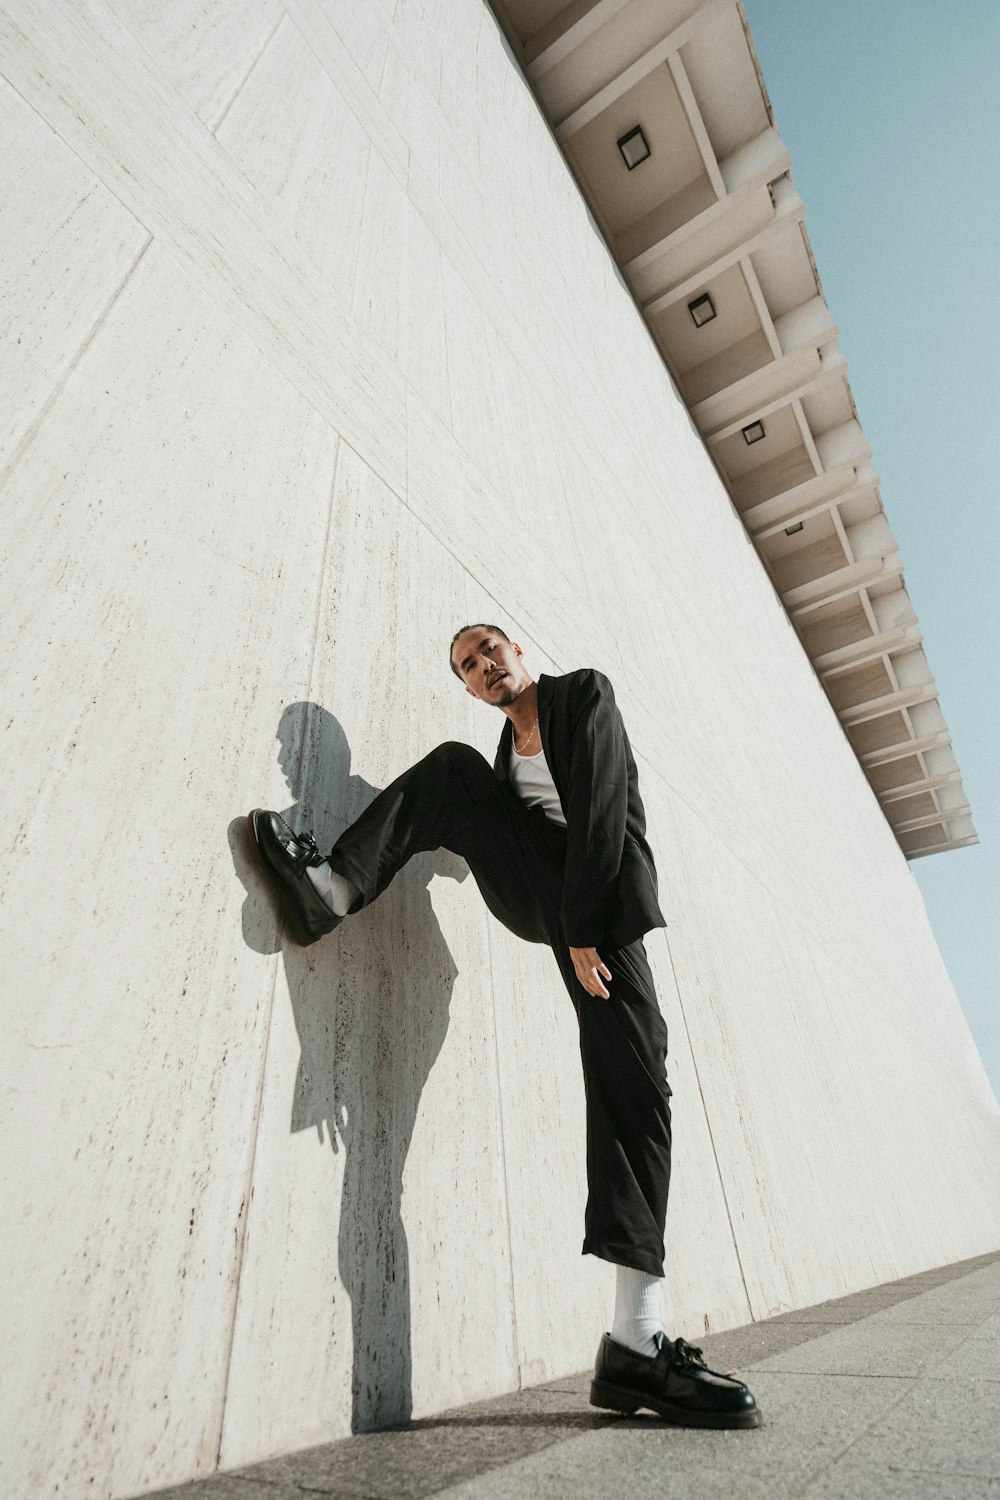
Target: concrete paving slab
{"points": [[855, 1482], [978, 1358], [870, 1349], [869, 1300], [941, 1427], [954, 1311], [849, 1309], [644, 1457], [741, 1348], [875, 1407], [436, 1453], [910, 1337], [237, 1486]]}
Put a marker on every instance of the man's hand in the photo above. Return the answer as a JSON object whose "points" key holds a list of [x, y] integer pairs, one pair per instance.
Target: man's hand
{"points": [[589, 967]]}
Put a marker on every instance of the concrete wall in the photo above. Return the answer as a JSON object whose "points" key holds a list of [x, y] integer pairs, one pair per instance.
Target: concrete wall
{"points": [[310, 355]]}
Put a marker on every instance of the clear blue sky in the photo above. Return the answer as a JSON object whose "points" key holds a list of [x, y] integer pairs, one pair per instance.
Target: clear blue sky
{"points": [[891, 114]]}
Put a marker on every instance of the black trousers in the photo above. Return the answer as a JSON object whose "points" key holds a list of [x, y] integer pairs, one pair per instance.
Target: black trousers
{"points": [[452, 799]]}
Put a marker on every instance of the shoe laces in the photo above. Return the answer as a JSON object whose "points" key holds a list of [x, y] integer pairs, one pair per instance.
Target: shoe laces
{"points": [[690, 1357], [688, 1354]]}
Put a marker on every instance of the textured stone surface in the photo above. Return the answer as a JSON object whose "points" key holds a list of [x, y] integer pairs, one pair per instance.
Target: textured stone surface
{"points": [[312, 355], [825, 1434]]}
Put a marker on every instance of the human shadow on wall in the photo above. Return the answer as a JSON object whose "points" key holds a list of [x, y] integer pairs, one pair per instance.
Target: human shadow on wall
{"points": [[371, 1006]]}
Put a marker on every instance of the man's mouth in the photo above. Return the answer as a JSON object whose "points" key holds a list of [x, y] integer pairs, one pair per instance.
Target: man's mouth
{"points": [[495, 678]]}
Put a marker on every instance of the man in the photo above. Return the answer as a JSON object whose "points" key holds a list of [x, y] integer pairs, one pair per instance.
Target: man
{"points": [[555, 836]]}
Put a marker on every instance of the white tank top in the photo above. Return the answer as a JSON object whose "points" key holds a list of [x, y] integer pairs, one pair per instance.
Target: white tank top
{"points": [[532, 781]]}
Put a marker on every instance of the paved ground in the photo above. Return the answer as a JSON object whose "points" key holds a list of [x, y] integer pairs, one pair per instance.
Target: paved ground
{"points": [[892, 1393]]}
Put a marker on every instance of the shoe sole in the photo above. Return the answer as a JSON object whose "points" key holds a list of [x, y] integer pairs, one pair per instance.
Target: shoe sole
{"points": [[620, 1398], [296, 929]]}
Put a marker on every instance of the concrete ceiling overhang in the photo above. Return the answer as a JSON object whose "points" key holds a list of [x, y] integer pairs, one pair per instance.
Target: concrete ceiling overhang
{"points": [[713, 212]]}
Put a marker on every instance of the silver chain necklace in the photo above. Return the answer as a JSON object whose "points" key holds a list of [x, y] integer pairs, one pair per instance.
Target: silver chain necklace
{"points": [[528, 740]]}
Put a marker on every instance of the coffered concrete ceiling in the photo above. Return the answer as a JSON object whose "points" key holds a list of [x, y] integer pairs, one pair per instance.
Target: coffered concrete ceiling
{"points": [[711, 212]]}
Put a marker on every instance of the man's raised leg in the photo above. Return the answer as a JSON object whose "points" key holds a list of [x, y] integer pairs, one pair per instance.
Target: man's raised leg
{"points": [[450, 799]]}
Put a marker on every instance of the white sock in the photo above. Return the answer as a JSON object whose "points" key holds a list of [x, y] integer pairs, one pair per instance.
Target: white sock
{"points": [[638, 1310], [338, 892]]}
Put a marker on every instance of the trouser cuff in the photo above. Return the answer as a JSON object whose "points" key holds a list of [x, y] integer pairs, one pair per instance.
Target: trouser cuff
{"points": [[626, 1255]]}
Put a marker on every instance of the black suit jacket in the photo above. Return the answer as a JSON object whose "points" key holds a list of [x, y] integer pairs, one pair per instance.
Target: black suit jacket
{"points": [[609, 889]]}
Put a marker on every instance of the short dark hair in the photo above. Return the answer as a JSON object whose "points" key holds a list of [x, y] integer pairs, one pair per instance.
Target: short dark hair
{"points": [[476, 625]]}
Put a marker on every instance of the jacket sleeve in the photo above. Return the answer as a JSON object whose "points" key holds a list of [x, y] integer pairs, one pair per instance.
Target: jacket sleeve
{"points": [[596, 812]]}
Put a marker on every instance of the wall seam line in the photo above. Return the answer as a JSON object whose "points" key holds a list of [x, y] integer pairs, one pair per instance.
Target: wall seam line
{"points": [[31, 432], [469, 249], [88, 166], [711, 1134], [515, 1332], [310, 399], [246, 1205], [248, 74], [252, 1171]]}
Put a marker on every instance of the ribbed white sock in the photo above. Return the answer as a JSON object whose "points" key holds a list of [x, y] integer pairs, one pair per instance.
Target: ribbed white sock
{"points": [[338, 892], [638, 1310]]}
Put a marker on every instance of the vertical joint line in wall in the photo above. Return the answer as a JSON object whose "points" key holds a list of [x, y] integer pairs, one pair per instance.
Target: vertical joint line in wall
{"points": [[247, 1200], [352, 298], [711, 1133], [447, 352], [405, 498], [248, 1194], [320, 594], [503, 1168], [247, 75], [33, 428]]}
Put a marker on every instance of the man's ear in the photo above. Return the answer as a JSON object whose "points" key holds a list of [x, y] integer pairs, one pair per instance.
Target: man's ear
{"points": [[470, 692]]}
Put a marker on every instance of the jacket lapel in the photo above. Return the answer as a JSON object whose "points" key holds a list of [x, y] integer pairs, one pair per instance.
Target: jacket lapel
{"points": [[550, 724], [502, 763], [544, 687]]}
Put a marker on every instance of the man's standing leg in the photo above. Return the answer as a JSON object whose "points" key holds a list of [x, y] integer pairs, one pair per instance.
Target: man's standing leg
{"points": [[623, 1047]]}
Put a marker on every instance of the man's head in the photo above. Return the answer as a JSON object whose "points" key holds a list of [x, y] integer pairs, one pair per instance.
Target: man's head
{"points": [[489, 663]]}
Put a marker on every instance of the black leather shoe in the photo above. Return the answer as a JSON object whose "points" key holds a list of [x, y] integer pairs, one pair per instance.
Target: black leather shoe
{"points": [[286, 856], [675, 1382]]}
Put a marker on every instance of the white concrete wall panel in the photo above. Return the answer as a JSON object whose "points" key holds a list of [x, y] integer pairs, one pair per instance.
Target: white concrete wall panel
{"points": [[68, 247], [309, 157], [207, 52], [381, 1109], [311, 354], [138, 531]]}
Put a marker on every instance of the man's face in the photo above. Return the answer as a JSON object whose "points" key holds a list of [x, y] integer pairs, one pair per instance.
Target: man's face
{"points": [[491, 668]]}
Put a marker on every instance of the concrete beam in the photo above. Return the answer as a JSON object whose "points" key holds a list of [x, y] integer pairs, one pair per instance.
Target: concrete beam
{"points": [[831, 367], [860, 713], [565, 32], [911, 825], [844, 581], [772, 516], [941, 848], [929, 784], [831, 664], [909, 747], [652, 57], [701, 275]]}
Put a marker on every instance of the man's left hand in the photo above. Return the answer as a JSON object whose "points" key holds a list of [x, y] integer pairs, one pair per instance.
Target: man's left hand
{"points": [[589, 967]]}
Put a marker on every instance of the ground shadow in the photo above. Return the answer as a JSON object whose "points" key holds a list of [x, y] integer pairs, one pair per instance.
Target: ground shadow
{"points": [[371, 1005]]}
